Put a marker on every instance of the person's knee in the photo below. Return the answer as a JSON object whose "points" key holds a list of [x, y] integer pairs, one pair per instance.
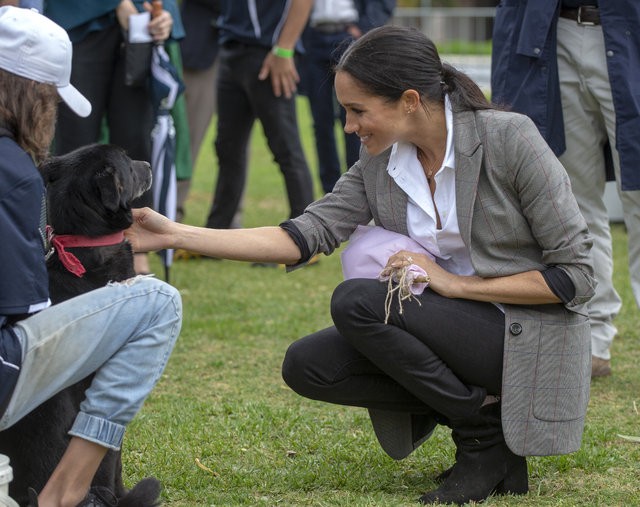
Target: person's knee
{"points": [[161, 301], [346, 300], [293, 368], [297, 371]]}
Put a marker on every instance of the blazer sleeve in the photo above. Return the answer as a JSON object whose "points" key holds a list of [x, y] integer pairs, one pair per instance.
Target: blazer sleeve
{"points": [[329, 221], [549, 206]]}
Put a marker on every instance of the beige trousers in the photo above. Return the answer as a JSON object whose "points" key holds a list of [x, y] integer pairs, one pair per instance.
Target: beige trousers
{"points": [[589, 121]]}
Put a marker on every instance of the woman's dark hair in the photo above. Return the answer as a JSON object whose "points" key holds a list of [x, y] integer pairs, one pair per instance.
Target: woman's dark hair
{"points": [[28, 111], [389, 60]]}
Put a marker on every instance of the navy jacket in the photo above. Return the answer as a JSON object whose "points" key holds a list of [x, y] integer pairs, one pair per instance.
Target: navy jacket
{"points": [[524, 73], [24, 283]]}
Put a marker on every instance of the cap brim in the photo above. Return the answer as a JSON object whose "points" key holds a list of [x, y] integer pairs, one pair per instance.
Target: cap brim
{"points": [[75, 100]]}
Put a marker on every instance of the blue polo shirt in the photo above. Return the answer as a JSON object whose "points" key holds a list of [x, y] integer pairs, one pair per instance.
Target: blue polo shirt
{"points": [[24, 283]]}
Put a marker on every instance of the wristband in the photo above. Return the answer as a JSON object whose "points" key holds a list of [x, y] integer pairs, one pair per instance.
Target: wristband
{"points": [[282, 52]]}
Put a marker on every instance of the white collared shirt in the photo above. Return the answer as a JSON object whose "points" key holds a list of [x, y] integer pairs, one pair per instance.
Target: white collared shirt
{"points": [[333, 11], [445, 243]]}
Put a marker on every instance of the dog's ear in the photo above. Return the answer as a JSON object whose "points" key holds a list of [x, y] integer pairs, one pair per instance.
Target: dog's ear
{"points": [[111, 188], [50, 169]]}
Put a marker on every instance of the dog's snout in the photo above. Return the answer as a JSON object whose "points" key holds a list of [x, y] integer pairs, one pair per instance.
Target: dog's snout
{"points": [[143, 174]]}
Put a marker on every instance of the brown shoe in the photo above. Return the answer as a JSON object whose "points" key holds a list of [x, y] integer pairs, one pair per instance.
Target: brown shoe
{"points": [[600, 367]]}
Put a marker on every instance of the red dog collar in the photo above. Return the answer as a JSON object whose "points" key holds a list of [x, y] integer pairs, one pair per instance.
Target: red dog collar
{"points": [[69, 260]]}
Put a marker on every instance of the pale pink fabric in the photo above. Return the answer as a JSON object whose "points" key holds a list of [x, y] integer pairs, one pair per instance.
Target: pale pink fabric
{"points": [[370, 247]]}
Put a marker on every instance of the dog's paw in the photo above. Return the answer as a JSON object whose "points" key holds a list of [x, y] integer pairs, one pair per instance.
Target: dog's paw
{"points": [[144, 494]]}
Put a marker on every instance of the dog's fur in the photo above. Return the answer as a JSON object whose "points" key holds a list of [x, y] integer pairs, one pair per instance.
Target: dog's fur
{"points": [[89, 193]]}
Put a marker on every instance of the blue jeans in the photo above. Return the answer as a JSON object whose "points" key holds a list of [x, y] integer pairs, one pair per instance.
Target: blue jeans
{"points": [[123, 332]]}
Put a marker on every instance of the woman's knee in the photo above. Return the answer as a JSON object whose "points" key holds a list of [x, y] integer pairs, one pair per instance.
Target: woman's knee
{"points": [[310, 363], [293, 369], [350, 299]]}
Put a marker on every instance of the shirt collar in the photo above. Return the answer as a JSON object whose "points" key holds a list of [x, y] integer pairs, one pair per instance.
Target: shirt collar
{"points": [[449, 155], [402, 153]]}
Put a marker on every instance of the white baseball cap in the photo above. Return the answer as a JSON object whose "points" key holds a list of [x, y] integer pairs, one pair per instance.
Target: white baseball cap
{"points": [[34, 47]]}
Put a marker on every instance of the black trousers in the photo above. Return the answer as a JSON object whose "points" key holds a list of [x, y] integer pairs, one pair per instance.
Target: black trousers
{"points": [[241, 99], [442, 354]]}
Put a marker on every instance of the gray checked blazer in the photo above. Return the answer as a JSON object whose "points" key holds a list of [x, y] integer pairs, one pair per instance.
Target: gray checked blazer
{"points": [[516, 213]]}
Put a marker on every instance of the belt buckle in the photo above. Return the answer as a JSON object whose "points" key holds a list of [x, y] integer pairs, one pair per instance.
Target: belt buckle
{"points": [[584, 23]]}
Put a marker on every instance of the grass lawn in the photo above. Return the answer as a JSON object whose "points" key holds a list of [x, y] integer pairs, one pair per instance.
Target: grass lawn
{"points": [[222, 428]]}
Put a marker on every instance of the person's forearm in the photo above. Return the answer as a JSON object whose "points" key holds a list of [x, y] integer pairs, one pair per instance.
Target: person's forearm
{"points": [[527, 288], [295, 23], [263, 244]]}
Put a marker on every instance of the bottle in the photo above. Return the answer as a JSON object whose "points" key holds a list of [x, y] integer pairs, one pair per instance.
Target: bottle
{"points": [[6, 476]]}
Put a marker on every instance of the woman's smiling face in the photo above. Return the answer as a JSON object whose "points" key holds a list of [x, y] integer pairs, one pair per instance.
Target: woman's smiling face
{"points": [[376, 121]]}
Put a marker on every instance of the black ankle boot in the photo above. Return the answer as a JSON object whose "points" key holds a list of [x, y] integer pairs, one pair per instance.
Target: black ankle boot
{"points": [[484, 463]]}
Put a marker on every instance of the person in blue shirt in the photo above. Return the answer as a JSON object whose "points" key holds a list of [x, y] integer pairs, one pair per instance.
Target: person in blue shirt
{"points": [[257, 79], [122, 333], [573, 66]]}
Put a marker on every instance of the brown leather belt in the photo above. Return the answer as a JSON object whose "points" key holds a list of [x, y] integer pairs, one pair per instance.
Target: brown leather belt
{"points": [[583, 15]]}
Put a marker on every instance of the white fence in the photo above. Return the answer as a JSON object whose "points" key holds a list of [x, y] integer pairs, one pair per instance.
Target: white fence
{"points": [[443, 24]]}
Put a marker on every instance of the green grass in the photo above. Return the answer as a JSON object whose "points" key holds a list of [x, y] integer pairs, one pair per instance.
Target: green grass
{"points": [[464, 47], [222, 400]]}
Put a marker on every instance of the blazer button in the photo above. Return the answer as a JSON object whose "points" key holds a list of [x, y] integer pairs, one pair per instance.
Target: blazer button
{"points": [[515, 329]]}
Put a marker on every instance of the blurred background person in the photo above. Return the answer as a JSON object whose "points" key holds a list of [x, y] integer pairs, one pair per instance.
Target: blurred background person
{"points": [[574, 69], [257, 78], [332, 25], [199, 51]]}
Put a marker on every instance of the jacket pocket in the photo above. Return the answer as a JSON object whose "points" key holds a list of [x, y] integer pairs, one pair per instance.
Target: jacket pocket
{"points": [[563, 375]]}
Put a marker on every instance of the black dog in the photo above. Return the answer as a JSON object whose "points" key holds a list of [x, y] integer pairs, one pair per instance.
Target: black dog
{"points": [[89, 194]]}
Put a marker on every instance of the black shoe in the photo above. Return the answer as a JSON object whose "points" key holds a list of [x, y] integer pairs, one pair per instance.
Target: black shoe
{"points": [[476, 476], [99, 496], [484, 463]]}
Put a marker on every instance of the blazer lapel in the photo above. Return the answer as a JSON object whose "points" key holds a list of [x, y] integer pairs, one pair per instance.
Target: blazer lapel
{"points": [[468, 150], [391, 200]]}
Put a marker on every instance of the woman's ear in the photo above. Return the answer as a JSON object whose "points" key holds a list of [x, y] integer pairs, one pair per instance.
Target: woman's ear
{"points": [[410, 100]]}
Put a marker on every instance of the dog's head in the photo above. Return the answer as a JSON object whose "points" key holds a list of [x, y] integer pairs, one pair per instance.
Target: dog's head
{"points": [[89, 190]]}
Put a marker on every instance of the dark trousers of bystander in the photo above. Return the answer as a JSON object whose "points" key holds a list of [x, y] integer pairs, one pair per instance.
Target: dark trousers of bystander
{"points": [[322, 53], [243, 98]]}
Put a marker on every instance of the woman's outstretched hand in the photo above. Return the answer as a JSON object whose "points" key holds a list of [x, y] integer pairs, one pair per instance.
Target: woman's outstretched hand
{"points": [[150, 231]]}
